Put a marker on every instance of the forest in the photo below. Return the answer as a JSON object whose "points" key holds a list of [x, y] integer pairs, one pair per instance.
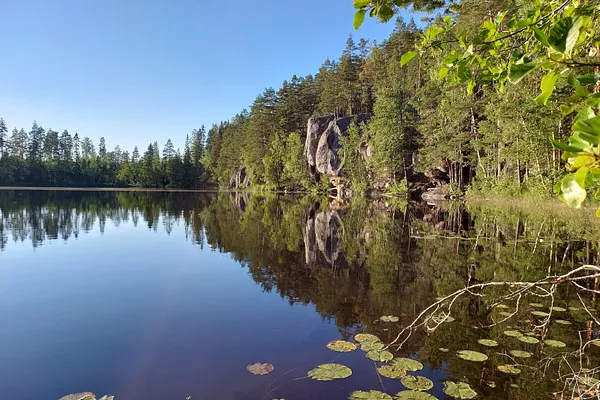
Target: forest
{"points": [[420, 126]]}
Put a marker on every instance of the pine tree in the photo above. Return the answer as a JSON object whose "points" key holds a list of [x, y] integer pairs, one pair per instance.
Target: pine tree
{"points": [[102, 149], [3, 138]]}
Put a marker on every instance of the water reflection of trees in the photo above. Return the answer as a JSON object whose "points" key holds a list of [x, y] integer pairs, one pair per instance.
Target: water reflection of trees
{"points": [[353, 262]]}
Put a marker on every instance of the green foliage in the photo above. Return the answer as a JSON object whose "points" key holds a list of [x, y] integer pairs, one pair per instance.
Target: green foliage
{"points": [[554, 36]]}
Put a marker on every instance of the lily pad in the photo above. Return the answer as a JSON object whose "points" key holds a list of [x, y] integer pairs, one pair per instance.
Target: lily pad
{"points": [[513, 333], [509, 369], [505, 314], [555, 343], [559, 309], [341, 346], [260, 368], [491, 384], [536, 305], [366, 337], [380, 356], [443, 349], [370, 346], [504, 306], [595, 342], [391, 371], [419, 383], [540, 313], [528, 339], [370, 395], [520, 353], [329, 372], [460, 390], [79, 396], [389, 318], [407, 364], [414, 395], [471, 355], [562, 322], [488, 342], [588, 380]]}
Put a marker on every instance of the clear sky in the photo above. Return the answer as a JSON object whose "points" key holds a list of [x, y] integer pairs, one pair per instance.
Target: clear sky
{"points": [[136, 71]]}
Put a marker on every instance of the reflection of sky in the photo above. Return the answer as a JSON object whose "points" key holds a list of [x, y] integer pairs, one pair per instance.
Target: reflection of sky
{"points": [[145, 315]]}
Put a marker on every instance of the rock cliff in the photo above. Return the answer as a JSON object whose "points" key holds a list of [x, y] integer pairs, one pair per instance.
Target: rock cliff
{"points": [[322, 144]]}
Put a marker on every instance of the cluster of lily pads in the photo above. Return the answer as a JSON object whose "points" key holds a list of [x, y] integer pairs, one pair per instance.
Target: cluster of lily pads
{"points": [[417, 386], [390, 367]]}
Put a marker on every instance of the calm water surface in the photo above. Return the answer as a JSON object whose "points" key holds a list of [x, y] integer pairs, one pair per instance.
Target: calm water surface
{"points": [[170, 295]]}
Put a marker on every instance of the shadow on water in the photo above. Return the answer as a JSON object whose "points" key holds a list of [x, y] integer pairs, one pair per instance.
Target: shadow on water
{"points": [[353, 263]]}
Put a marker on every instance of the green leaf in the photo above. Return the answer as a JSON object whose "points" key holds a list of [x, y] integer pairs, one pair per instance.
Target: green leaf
{"points": [[555, 343], [370, 395], [584, 114], [562, 322], [513, 333], [460, 390], [565, 147], [509, 369], [589, 125], [414, 395], [361, 3], [472, 355], [380, 356], [541, 36], [370, 346], [559, 33], [587, 79], [407, 364], [540, 313], [359, 18], [520, 353], [418, 383], [547, 87], [519, 71], [366, 337], [572, 192], [488, 342], [573, 35], [407, 57], [391, 371], [329, 372], [443, 73], [341, 346], [260, 368], [528, 340]]}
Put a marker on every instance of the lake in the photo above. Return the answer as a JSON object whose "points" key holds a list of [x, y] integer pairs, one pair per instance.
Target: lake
{"points": [[157, 295]]}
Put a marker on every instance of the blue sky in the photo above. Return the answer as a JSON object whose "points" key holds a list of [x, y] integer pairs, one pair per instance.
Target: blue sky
{"points": [[136, 71]]}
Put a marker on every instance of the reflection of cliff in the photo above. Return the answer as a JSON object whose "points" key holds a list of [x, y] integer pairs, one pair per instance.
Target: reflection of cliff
{"points": [[321, 241]]}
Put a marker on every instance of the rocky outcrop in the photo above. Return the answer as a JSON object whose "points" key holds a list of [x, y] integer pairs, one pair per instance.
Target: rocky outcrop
{"points": [[315, 128], [239, 180], [322, 145]]}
